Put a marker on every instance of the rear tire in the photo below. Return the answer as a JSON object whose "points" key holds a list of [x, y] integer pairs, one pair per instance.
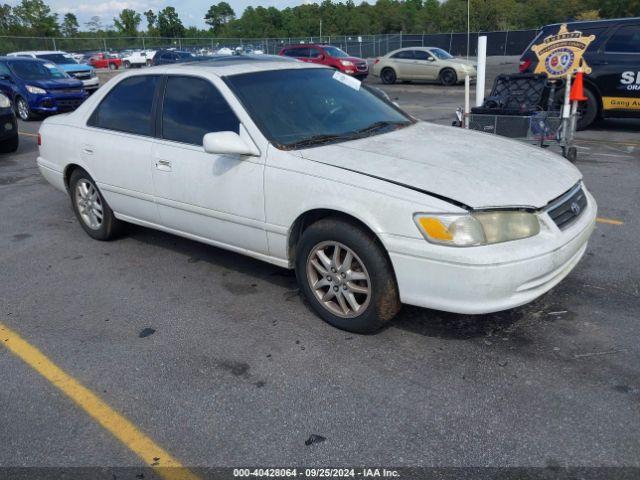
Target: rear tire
{"points": [[126, 64], [113, 66], [353, 290], [448, 77], [587, 110], [388, 76], [10, 145], [91, 209]]}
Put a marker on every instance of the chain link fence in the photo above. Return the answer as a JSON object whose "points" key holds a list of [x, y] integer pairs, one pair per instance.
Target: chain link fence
{"points": [[365, 46]]}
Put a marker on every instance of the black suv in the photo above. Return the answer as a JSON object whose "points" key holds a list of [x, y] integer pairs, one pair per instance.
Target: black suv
{"points": [[613, 87]]}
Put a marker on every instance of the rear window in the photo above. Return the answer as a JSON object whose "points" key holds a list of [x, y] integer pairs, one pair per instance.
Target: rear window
{"points": [[127, 108]]}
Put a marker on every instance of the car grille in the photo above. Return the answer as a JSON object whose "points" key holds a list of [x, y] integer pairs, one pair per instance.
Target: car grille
{"points": [[67, 91], [69, 104], [81, 75], [568, 208], [361, 66]]}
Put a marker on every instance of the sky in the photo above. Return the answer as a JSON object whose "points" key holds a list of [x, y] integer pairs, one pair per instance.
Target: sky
{"points": [[191, 11]]}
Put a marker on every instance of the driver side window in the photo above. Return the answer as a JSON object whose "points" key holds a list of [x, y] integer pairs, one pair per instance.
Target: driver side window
{"points": [[422, 55]]}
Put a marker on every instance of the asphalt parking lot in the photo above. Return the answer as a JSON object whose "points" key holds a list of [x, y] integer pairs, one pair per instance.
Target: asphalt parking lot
{"points": [[216, 359]]}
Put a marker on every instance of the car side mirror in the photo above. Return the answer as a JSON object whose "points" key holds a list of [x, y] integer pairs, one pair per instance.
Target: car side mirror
{"points": [[6, 77], [431, 59], [227, 143], [320, 57]]}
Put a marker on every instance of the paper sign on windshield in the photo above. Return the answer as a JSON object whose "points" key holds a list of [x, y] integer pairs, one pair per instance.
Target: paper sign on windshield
{"points": [[347, 80]]}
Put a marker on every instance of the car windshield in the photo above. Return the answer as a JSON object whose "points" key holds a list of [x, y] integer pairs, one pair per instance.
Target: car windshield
{"points": [[335, 52], [307, 107], [37, 71], [58, 58], [441, 54]]}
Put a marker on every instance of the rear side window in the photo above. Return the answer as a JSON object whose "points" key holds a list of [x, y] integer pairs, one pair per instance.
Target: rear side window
{"points": [[193, 107], [625, 40], [127, 108], [299, 52], [314, 52], [403, 54]]}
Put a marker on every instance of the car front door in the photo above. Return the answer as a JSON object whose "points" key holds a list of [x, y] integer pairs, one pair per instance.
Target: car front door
{"points": [[403, 62], [426, 65], [116, 147], [214, 197], [619, 72]]}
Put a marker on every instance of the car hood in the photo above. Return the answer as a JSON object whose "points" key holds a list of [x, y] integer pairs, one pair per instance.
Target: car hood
{"points": [[56, 84], [476, 169], [75, 67]]}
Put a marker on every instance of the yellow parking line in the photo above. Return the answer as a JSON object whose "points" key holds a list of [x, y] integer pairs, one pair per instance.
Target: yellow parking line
{"points": [[121, 428], [609, 221], [28, 134]]}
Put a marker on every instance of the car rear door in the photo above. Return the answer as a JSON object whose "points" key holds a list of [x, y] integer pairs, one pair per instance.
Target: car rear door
{"points": [[618, 74], [116, 147], [215, 197]]}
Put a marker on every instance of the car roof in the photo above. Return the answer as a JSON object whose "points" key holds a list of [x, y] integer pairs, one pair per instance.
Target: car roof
{"points": [[23, 59], [37, 52], [233, 65], [596, 23]]}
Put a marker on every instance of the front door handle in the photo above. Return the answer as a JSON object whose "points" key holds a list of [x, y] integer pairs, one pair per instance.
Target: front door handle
{"points": [[88, 149], [164, 165]]}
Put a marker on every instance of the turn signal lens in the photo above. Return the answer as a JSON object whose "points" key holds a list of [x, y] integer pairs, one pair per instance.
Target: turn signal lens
{"points": [[478, 228]]}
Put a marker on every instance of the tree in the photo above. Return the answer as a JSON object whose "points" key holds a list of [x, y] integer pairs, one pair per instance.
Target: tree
{"points": [[94, 24], [152, 19], [127, 22], [69, 25], [8, 21], [169, 23], [36, 17], [219, 15]]}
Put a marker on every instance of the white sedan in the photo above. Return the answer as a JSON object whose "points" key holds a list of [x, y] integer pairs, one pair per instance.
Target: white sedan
{"points": [[303, 167]]}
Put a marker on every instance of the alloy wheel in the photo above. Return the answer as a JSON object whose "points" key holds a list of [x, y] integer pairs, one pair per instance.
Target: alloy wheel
{"points": [[89, 204], [23, 109], [338, 279]]}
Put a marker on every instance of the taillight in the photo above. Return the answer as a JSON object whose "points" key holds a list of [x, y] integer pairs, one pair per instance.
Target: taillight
{"points": [[377, 61], [524, 65], [39, 140]]}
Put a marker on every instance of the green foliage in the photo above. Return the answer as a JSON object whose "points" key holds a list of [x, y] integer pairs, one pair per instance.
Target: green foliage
{"points": [[35, 18], [219, 15], [69, 27], [169, 23], [127, 22], [152, 20]]}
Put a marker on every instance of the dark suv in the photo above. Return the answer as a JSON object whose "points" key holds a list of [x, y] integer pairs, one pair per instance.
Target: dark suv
{"points": [[613, 87], [330, 56]]}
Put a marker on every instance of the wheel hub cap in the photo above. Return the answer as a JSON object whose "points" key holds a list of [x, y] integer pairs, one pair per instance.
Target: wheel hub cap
{"points": [[89, 204], [338, 279]]}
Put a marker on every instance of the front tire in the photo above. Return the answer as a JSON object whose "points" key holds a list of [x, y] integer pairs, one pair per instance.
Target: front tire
{"points": [[91, 209], [388, 76], [587, 110], [346, 276], [448, 77], [23, 110], [113, 66]]}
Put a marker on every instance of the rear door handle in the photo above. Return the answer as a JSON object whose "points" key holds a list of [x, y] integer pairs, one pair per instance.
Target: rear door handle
{"points": [[164, 165]]}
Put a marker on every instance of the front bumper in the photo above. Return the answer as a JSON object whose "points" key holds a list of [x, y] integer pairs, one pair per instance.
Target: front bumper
{"points": [[490, 278], [91, 84], [8, 124], [54, 102]]}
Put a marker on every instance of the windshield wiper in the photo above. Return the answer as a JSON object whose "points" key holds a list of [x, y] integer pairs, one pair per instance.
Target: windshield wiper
{"points": [[325, 138]]}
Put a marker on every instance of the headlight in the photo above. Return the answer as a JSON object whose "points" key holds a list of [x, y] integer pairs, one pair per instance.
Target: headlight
{"points": [[4, 101], [346, 63], [36, 90], [479, 228]]}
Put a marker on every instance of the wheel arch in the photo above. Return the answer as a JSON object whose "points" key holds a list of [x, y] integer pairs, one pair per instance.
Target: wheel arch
{"points": [[68, 170], [309, 217]]}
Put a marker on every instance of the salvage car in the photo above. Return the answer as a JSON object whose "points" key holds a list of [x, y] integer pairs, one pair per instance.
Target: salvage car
{"points": [[9, 140], [37, 87], [304, 167], [612, 88], [423, 63]]}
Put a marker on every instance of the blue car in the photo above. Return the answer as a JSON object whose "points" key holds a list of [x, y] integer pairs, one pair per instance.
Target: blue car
{"points": [[37, 87], [68, 63]]}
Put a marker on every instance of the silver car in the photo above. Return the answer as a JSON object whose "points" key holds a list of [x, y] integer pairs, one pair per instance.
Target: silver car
{"points": [[423, 63]]}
